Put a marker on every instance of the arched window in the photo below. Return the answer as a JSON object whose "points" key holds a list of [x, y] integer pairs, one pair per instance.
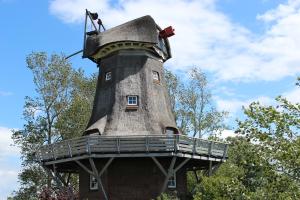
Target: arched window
{"points": [[171, 131], [155, 76]]}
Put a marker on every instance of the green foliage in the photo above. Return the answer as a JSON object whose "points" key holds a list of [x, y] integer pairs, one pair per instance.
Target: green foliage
{"points": [[168, 196], [73, 121], [275, 129], [51, 115], [263, 162], [246, 175], [192, 104]]}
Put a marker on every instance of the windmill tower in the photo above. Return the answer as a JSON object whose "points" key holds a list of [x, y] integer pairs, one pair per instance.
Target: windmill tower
{"points": [[131, 148]]}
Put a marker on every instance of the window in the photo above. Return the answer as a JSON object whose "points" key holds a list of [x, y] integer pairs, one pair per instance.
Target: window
{"points": [[93, 183], [107, 76], [155, 76], [172, 181], [132, 100]]}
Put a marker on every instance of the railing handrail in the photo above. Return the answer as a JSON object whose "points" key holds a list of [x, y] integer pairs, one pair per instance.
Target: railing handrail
{"points": [[132, 136], [135, 143]]}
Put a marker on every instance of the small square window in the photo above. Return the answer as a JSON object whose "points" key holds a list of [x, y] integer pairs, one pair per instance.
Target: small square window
{"points": [[155, 76], [172, 181], [132, 100], [108, 76], [93, 183]]}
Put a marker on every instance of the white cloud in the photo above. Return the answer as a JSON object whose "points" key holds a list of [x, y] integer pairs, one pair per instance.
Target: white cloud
{"points": [[227, 133], [206, 37], [9, 163], [293, 95], [6, 143], [233, 106]]}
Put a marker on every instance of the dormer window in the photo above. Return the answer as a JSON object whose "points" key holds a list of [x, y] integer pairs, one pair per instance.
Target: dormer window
{"points": [[108, 76], [155, 76], [132, 100]]}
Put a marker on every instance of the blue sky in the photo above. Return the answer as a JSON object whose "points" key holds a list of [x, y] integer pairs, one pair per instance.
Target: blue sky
{"points": [[249, 50]]}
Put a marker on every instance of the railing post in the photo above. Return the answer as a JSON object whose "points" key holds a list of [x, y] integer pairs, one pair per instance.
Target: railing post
{"points": [[210, 148], [118, 144], [52, 149], [70, 150], [225, 152], [88, 149], [147, 143], [176, 143], [194, 145], [39, 154]]}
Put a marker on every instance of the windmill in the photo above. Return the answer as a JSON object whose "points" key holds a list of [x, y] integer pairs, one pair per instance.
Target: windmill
{"points": [[131, 148]]}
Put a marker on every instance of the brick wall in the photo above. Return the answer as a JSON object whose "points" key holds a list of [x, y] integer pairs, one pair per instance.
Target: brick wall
{"points": [[131, 179]]}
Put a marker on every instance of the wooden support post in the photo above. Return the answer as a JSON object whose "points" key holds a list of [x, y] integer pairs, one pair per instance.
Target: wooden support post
{"points": [[196, 176], [210, 168], [98, 177], [159, 166], [197, 182], [170, 172], [85, 168], [62, 180], [215, 168], [181, 164], [105, 166], [52, 175], [68, 178]]}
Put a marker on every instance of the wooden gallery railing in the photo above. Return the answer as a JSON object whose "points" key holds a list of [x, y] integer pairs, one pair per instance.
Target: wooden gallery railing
{"points": [[131, 144]]}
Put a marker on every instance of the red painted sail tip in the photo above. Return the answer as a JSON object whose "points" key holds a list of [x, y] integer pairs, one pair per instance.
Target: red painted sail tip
{"points": [[167, 32]]}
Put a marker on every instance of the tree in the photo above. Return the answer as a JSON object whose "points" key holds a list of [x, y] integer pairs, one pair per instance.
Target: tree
{"points": [[192, 104], [246, 175], [276, 129], [48, 115], [73, 121], [264, 161], [174, 86]]}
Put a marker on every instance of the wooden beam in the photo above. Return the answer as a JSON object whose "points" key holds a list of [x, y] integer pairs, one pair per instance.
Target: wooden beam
{"points": [[49, 172], [197, 181], [215, 168], [68, 178], [181, 164], [129, 155], [61, 179], [98, 177], [170, 172], [160, 166], [106, 166], [210, 168], [85, 168]]}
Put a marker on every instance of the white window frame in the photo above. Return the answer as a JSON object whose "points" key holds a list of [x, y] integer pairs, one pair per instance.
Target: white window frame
{"points": [[155, 76], [93, 183], [108, 76], [130, 102], [172, 181]]}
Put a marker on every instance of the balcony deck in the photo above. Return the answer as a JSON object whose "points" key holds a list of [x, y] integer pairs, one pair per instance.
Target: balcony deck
{"points": [[132, 146]]}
